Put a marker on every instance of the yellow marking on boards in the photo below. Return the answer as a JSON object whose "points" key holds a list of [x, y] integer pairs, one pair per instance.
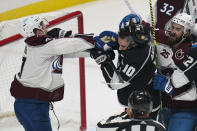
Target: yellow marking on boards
{"points": [[39, 7]]}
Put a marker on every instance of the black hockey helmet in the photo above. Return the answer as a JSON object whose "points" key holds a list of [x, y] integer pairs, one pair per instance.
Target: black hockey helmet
{"points": [[135, 34], [140, 102]]}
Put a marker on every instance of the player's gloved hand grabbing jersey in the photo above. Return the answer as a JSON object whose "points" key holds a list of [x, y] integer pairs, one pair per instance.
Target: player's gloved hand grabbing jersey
{"points": [[162, 83], [134, 18], [104, 45]]}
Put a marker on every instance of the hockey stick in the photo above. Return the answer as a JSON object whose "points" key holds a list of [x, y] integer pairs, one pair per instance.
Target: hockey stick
{"points": [[120, 80], [155, 45], [153, 25], [184, 6], [129, 6], [116, 71]]}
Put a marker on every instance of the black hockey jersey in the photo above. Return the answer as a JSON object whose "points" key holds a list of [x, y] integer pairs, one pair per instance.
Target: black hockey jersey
{"points": [[136, 67]]}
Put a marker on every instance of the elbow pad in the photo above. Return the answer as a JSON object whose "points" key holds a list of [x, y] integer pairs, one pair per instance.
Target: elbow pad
{"points": [[179, 79]]}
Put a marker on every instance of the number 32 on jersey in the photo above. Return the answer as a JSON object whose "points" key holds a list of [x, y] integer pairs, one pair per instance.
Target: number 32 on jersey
{"points": [[168, 9]]}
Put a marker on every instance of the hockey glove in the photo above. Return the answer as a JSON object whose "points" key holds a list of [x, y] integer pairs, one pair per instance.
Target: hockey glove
{"points": [[134, 18], [107, 40], [163, 84], [101, 56]]}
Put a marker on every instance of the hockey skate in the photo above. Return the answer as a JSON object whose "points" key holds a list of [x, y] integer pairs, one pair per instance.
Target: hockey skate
{"points": [[113, 122]]}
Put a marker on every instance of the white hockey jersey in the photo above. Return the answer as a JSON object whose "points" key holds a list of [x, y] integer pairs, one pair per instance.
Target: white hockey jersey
{"points": [[180, 65], [41, 70]]}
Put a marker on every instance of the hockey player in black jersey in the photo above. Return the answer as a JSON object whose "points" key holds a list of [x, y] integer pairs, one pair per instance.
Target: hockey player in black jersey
{"points": [[135, 67], [141, 105]]}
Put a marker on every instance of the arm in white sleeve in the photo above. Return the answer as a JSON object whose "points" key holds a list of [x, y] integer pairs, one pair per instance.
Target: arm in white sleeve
{"points": [[179, 79], [64, 46]]}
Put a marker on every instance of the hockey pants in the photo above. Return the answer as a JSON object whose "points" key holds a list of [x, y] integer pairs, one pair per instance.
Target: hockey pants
{"points": [[33, 115], [180, 120]]}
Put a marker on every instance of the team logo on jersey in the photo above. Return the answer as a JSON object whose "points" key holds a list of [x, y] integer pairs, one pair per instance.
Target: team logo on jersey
{"points": [[57, 65], [179, 54], [165, 53]]}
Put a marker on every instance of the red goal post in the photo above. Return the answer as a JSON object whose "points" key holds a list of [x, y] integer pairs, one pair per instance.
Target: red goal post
{"points": [[64, 18]]}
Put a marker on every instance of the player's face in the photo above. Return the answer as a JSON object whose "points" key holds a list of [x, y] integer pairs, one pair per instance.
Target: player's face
{"points": [[176, 32], [123, 44], [43, 31], [44, 27]]}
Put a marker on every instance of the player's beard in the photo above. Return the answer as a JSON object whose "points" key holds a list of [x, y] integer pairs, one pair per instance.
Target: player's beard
{"points": [[173, 39]]}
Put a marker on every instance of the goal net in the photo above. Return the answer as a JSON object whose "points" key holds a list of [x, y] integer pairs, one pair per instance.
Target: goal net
{"points": [[71, 111]]}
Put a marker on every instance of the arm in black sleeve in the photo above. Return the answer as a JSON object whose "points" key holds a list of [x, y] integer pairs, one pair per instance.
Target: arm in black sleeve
{"points": [[108, 72], [59, 33], [189, 65], [112, 76]]}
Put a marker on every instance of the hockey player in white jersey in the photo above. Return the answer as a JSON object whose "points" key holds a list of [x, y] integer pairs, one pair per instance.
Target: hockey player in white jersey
{"points": [[177, 57], [39, 80], [141, 105]]}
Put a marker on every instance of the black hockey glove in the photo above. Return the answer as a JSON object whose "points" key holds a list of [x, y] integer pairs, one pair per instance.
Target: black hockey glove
{"points": [[102, 57], [59, 33]]}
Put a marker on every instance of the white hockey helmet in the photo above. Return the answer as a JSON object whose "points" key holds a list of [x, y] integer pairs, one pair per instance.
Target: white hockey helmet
{"points": [[185, 20], [30, 23]]}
